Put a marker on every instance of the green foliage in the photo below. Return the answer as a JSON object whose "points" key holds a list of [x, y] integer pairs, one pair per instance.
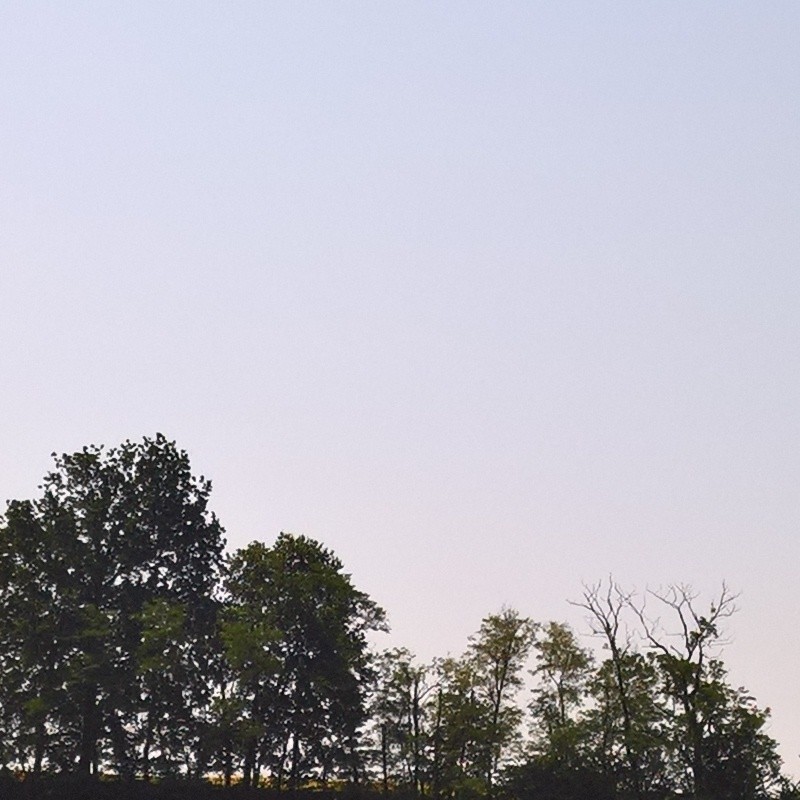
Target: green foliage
{"points": [[564, 669], [471, 711], [128, 645], [548, 780], [715, 733], [627, 740], [295, 637], [499, 652], [401, 719], [119, 546]]}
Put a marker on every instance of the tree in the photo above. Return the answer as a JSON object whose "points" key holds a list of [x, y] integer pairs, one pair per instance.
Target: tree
{"points": [[400, 717], [500, 650], [716, 732], [31, 637], [459, 731], [564, 669], [166, 721], [474, 719], [630, 745], [310, 657], [741, 759], [251, 643], [120, 542], [625, 719]]}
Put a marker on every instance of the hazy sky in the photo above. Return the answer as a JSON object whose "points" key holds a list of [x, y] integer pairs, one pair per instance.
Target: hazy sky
{"points": [[491, 298]]}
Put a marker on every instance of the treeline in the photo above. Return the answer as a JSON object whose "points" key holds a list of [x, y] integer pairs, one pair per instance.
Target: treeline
{"points": [[132, 646]]}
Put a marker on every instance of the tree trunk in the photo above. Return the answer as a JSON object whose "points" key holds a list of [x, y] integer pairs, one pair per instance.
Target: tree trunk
{"points": [[249, 765], [294, 774], [627, 717], [87, 758], [148, 743], [228, 768], [281, 764], [415, 727], [38, 755], [124, 762], [436, 777], [384, 759]]}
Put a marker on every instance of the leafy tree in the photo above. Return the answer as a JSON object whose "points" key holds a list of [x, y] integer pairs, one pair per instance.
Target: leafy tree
{"points": [[114, 532], [31, 637], [400, 715], [630, 744], [251, 642], [564, 669], [304, 669], [459, 730], [741, 758], [500, 650], [165, 720], [716, 732], [473, 718]]}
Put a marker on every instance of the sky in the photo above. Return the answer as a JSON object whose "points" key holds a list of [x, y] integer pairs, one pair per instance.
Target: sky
{"points": [[492, 299]]}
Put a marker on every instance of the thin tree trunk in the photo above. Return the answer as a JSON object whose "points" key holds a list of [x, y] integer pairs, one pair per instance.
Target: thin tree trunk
{"points": [[87, 759], [437, 767], [249, 765], [415, 732], [627, 721], [384, 759], [282, 764], [295, 771], [38, 755], [228, 767], [148, 743]]}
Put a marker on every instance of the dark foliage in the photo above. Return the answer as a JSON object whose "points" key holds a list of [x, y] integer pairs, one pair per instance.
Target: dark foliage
{"points": [[130, 646], [79, 787], [548, 782]]}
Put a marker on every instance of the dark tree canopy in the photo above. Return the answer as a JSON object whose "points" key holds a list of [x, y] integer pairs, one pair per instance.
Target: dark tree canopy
{"points": [[295, 633], [133, 647], [110, 577]]}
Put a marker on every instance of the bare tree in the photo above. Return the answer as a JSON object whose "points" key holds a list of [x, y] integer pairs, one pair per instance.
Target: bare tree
{"points": [[606, 604], [686, 656]]}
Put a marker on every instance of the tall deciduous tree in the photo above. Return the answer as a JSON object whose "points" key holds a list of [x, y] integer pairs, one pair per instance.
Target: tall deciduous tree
{"points": [[721, 748], [310, 663], [251, 642], [625, 720], [114, 532], [32, 637], [400, 714], [628, 744], [459, 732], [500, 650], [474, 717], [564, 668]]}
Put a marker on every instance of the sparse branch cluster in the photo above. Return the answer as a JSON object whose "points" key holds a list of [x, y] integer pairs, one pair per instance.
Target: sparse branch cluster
{"points": [[131, 645]]}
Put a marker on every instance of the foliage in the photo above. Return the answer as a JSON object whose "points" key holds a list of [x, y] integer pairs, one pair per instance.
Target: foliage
{"points": [[401, 719], [130, 647], [295, 634], [499, 651], [548, 780], [109, 579], [564, 669]]}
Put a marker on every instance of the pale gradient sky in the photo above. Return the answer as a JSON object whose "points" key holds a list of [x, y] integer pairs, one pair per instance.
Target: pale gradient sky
{"points": [[489, 298]]}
